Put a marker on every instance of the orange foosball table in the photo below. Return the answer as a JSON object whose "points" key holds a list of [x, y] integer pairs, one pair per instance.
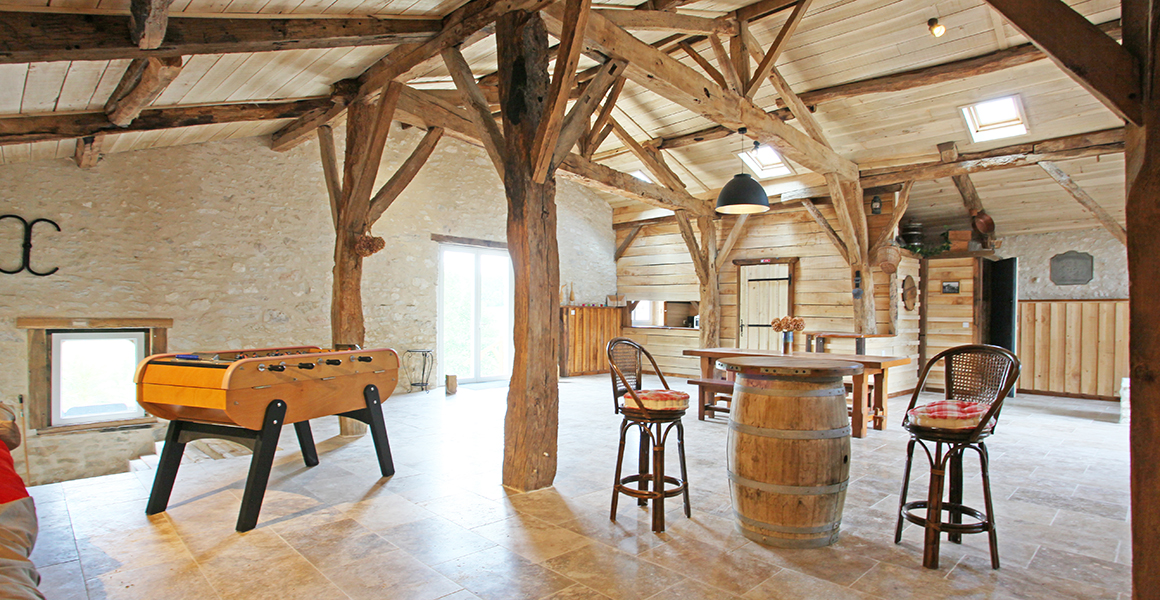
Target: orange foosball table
{"points": [[246, 396]]}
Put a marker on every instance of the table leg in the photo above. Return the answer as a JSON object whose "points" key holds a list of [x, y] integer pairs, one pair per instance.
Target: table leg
{"points": [[858, 416], [707, 366], [880, 396]]}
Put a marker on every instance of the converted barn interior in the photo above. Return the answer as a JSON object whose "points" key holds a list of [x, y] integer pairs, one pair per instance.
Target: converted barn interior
{"points": [[450, 224]]}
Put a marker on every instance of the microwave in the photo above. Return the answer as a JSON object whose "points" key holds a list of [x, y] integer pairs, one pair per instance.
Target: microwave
{"points": [[697, 321]]}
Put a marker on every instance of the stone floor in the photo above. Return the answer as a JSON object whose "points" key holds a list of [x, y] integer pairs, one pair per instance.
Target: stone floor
{"points": [[443, 527]]}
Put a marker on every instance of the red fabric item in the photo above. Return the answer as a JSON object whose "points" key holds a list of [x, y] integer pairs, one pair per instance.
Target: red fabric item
{"points": [[948, 414], [659, 400], [11, 485]]}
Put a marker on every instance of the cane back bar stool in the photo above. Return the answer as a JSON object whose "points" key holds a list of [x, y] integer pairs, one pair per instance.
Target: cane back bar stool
{"points": [[976, 380], [654, 413]]}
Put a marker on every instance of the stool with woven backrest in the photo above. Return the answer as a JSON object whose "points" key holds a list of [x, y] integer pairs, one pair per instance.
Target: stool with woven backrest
{"points": [[654, 413], [976, 380]]}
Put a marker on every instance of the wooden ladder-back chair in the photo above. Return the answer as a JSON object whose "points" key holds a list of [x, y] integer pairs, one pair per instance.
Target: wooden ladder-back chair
{"points": [[976, 380], [654, 413]]}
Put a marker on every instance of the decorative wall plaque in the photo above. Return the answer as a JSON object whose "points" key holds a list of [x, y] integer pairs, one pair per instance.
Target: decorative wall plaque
{"points": [[1071, 268], [950, 287], [909, 293]]}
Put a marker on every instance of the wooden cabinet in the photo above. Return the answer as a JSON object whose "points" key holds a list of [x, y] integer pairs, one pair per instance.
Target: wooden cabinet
{"points": [[584, 334]]}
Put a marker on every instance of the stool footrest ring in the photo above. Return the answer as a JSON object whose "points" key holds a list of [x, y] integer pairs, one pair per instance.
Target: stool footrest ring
{"points": [[982, 526], [635, 493]]}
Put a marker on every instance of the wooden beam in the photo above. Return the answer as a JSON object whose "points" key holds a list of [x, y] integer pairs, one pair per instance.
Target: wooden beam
{"points": [[601, 122], [575, 124], [477, 106], [798, 108], [679, 83], [567, 58], [1090, 57], [142, 82], [147, 22], [404, 175], [900, 207], [342, 94], [628, 239], [761, 9], [88, 151], [330, 170], [48, 37], [827, 229], [735, 235], [660, 171], [603, 178], [846, 218], [739, 52], [702, 62], [949, 153], [725, 64], [656, 20], [1103, 216], [709, 307], [364, 155], [62, 126], [766, 64], [690, 239]]}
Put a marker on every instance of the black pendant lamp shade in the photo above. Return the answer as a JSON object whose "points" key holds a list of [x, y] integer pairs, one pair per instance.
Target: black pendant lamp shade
{"points": [[742, 195]]}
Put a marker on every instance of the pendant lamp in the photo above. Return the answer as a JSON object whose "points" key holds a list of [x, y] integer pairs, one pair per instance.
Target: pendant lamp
{"points": [[742, 195]]}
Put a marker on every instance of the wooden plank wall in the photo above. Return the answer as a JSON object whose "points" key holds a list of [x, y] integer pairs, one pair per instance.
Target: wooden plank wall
{"points": [[666, 346], [584, 335], [657, 267], [950, 318], [1073, 347]]}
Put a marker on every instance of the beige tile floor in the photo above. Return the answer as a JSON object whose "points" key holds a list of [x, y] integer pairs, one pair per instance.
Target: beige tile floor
{"points": [[443, 527]]}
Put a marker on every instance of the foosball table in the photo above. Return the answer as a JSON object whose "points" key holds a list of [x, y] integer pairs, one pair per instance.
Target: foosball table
{"points": [[246, 396]]}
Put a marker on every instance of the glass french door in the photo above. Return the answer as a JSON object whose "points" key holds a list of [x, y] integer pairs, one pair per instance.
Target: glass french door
{"points": [[475, 313]]}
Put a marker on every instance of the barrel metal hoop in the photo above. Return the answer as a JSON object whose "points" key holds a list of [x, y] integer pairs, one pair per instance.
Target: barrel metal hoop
{"points": [[792, 393], [827, 528], [791, 434], [792, 490], [777, 542]]}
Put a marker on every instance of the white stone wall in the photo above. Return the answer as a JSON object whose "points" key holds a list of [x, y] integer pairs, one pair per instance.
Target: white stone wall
{"points": [[234, 242], [1110, 264]]}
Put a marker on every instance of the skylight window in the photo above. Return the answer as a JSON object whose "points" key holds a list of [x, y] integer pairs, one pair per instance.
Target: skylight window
{"points": [[995, 119], [641, 175], [766, 162]]}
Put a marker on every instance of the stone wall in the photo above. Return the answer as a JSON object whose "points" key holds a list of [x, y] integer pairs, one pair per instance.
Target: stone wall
{"points": [[234, 242], [1110, 264]]}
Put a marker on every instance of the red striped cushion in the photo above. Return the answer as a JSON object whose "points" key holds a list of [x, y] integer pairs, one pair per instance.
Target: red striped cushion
{"points": [[948, 414], [659, 400]]}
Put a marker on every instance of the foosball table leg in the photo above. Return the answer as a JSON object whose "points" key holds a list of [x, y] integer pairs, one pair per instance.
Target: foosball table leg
{"points": [[372, 415], [265, 444], [166, 470], [306, 442]]}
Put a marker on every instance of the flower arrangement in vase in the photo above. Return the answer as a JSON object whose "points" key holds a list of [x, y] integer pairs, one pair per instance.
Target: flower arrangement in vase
{"points": [[786, 326]]}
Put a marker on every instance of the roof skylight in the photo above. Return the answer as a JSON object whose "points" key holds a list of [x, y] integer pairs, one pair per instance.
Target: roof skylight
{"points": [[641, 175], [995, 119], [766, 162]]}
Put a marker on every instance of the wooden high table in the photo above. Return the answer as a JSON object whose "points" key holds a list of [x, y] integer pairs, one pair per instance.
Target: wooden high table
{"points": [[822, 336], [873, 366]]}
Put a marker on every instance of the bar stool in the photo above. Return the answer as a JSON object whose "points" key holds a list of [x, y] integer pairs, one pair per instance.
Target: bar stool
{"points": [[977, 379], [654, 413]]}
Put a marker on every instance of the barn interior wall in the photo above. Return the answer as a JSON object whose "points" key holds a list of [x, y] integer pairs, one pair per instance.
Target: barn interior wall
{"points": [[1109, 268], [234, 242]]}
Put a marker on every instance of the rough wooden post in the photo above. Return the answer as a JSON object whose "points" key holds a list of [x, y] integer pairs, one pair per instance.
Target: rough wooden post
{"points": [[710, 288], [533, 398]]}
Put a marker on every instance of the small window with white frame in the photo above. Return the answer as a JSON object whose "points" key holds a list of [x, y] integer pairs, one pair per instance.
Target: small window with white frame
{"points": [[646, 313], [995, 119], [766, 162], [92, 375]]}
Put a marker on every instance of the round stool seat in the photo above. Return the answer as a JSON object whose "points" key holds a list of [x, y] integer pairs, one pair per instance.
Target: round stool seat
{"points": [[656, 400]]}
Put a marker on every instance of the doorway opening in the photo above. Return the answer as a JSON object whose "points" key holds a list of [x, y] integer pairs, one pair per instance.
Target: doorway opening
{"points": [[475, 313]]}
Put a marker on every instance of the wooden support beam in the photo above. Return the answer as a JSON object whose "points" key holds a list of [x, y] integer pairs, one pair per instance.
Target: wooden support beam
{"points": [[1090, 57], [1103, 216], [62, 126], [735, 235], [761, 9], [477, 107], [679, 83], [656, 20], [575, 124], [798, 108], [900, 206], [685, 225], [767, 62], [739, 52], [142, 82], [709, 308], [404, 175], [628, 240], [827, 229], [702, 62], [88, 151], [147, 22], [949, 153], [725, 64], [598, 176], [49, 37], [600, 127], [660, 171], [330, 170], [567, 58]]}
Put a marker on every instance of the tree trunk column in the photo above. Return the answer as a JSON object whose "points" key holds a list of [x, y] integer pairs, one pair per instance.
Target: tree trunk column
{"points": [[533, 397], [346, 313]]}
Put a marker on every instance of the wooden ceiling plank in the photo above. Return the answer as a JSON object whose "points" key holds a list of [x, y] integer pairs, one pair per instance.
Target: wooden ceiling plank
{"points": [[404, 175], [1106, 219], [576, 123], [766, 64], [142, 82], [147, 22], [37, 36], [556, 103], [1089, 56], [477, 107]]}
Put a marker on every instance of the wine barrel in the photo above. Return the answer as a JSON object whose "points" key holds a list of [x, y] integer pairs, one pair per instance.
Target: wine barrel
{"points": [[789, 449]]}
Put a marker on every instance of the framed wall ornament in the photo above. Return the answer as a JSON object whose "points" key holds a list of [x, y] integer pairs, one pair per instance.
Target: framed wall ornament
{"points": [[1072, 268]]}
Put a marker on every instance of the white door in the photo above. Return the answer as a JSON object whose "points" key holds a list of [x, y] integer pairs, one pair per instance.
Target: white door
{"points": [[764, 297], [475, 313]]}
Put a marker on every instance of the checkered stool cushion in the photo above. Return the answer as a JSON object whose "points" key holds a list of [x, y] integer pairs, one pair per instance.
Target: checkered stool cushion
{"points": [[948, 414], [659, 400]]}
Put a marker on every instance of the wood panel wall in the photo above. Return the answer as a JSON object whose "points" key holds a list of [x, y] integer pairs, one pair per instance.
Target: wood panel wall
{"points": [[666, 346], [951, 319], [1073, 347], [584, 334]]}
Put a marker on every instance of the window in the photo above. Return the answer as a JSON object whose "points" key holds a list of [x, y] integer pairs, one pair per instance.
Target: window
{"points": [[92, 375], [641, 175], [644, 315], [766, 162], [995, 119]]}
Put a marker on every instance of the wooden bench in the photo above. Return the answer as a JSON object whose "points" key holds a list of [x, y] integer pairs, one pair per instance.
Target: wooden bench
{"points": [[707, 390]]}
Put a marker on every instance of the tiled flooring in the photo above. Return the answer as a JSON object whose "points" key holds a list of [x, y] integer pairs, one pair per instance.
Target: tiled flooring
{"points": [[443, 527]]}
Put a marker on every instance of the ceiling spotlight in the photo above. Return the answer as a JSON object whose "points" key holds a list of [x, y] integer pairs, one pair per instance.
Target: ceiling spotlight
{"points": [[936, 29]]}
